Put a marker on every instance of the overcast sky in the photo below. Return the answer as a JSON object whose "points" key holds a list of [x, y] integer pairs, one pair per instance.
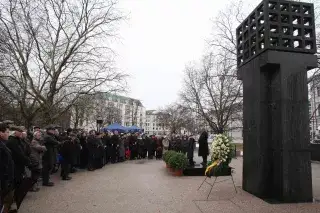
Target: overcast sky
{"points": [[158, 39]]}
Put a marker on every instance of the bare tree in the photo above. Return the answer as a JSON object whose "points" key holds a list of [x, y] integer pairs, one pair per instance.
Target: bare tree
{"points": [[81, 109], [9, 109], [175, 117], [224, 32], [212, 91], [91, 107], [56, 51], [111, 114]]}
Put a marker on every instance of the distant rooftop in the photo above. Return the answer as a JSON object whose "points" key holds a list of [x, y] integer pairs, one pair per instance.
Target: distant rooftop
{"points": [[121, 98], [152, 112]]}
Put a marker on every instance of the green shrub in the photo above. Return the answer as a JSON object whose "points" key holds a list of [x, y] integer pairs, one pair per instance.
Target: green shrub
{"points": [[167, 155], [178, 161]]}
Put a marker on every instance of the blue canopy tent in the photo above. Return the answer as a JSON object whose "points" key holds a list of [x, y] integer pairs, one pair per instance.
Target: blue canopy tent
{"points": [[134, 129], [115, 127]]}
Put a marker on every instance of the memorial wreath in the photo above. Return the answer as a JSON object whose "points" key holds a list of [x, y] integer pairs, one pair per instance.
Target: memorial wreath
{"points": [[221, 156]]}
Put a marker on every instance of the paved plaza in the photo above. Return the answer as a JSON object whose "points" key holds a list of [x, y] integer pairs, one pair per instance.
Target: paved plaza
{"points": [[146, 187]]}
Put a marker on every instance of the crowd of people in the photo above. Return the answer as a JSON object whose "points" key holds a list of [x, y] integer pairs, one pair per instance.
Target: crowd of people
{"points": [[33, 157]]}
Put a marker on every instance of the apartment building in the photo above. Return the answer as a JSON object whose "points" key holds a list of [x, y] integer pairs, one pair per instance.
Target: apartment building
{"points": [[153, 126], [112, 108], [314, 106]]}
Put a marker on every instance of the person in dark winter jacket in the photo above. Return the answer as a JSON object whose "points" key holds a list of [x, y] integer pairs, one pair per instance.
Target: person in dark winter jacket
{"points": [[191, 147], [66, 152], [203, 147], [100, 152], [132, 139], [84, 151], [141, 148], [92, 147], [150, 146], [115, 140], [57, 136], [76, 149], [18, 150], [6, 171], [107, 144], [49, 158], [159, 149], [184, 144]]}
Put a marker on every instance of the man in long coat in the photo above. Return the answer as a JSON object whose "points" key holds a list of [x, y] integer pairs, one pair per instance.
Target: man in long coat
{"points": [[203, 147], [18, 151], [49, 157], [191, 147], [115, 140], [92, 149]]}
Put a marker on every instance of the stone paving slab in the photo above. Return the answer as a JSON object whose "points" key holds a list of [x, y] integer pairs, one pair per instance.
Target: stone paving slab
{"points": [[147, 187]]}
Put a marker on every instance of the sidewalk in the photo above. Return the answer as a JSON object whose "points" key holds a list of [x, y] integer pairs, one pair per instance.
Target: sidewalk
{"points": [[223, 197], [145, 186]]}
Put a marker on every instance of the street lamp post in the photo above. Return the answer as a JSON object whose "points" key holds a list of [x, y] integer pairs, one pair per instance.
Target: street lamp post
{"points": [[99, 123]]}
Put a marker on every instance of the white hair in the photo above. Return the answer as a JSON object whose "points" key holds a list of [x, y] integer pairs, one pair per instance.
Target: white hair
{"points": [[37, 132]]}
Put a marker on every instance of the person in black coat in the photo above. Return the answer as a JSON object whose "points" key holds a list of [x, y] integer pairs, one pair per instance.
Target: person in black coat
{"points": [[159, 149], [76, 148], [203, 147], [50, 156], [184, 144], [191, 146], [92, 148], [115, 140], [84, 151], [141, 148], [6, 171], [57, 137], [107, 143], [66, 151], [149, 145], [18, 151], [100, 152], [133, 146]]}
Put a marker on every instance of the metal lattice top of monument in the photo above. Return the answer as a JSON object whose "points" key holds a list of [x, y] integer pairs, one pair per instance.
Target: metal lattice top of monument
{"points": [[276, 25]]}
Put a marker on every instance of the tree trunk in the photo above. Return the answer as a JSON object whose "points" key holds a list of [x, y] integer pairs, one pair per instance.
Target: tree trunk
{"points": [[48, 118], [77, 117], [29, 123]]}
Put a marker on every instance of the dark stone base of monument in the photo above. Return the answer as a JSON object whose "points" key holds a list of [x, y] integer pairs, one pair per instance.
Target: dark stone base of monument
{"points": [[277, 155], [222, 172], [196, 170], [276, 44], [315, 152]]}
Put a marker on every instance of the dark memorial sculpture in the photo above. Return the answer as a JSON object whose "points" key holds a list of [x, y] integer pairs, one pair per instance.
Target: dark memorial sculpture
{"points": [[275, 49]]}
